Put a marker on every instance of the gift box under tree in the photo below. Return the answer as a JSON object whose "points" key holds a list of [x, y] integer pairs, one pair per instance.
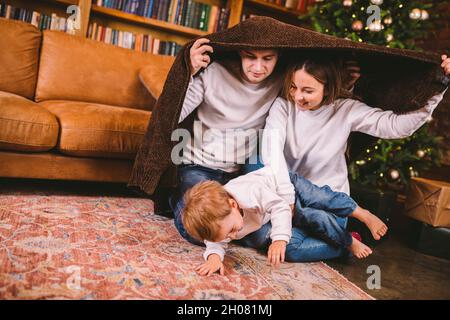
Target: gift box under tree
{"points": [[429, 201]]}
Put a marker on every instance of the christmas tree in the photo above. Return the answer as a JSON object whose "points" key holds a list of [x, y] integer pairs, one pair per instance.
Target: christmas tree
{"points": [[386, 164], [389, 164], [392, 23]]}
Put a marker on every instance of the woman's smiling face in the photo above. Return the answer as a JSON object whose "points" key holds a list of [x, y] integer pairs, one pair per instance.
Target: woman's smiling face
{"points": [[306, 91]]}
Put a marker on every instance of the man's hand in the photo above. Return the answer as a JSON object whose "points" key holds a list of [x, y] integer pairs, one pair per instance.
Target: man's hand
{"points": [[292, 206], [276, 252], [445, 64], [199, 55], [353, 73], [211, 265]]}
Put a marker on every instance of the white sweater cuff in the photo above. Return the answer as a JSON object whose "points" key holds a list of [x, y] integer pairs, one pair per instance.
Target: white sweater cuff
{"points": [[282, 237], [207, 253]]}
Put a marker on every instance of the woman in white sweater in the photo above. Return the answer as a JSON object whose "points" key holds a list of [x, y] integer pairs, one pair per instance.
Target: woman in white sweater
{"points": [[307, 132]]}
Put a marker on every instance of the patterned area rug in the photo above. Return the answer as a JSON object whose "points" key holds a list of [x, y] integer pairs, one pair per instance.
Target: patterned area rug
{"points": [[61, 246]]}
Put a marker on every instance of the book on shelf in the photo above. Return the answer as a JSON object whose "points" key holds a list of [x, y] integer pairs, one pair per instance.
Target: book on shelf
{"points": [[130, 40], [38, 19], [187, 13]]}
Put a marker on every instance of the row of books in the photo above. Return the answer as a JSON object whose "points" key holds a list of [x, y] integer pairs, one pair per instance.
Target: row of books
{"points": [[40, 20], [297, 5], [186, 13], [134, 41]]}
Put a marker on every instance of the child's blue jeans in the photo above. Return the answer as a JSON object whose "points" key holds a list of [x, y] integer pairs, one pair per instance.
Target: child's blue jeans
{"points": [[322, 211]]}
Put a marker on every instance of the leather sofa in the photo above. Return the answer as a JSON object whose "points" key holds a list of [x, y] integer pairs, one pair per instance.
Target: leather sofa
{"points": [[71, 108]]}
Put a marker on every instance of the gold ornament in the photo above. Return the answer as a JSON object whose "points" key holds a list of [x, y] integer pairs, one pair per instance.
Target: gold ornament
{"points": [[357, 25], [424, 15], [387, 21], [415, 14], [394, 174], [420, 153], [347, 3], [375, 26]]}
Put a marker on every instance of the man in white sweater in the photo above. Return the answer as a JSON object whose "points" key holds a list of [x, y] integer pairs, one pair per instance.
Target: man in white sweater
{"points": [[226, 104]]}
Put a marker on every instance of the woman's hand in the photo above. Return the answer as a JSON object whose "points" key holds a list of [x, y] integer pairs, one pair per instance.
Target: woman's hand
{"points": [[211, 265], [276, 252], [445, 64], [199, 55], [353, 73]]}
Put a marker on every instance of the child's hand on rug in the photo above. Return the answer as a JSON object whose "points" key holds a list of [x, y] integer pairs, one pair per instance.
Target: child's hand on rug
{"points": [[445, 64], [211, 265], [276, 252], [199, 55]]}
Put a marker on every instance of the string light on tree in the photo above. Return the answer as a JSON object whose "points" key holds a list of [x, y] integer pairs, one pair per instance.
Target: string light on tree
{"points": [[377, 2]]}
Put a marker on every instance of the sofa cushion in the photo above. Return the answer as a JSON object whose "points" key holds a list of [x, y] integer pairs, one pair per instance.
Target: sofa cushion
{"points": [[26, 126], [94, 130], [19, 39], [78, 69], [153, 78]]}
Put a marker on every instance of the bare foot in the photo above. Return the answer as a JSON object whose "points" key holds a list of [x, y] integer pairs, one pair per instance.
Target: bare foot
{"points": [[359, 249], [375, 225]]}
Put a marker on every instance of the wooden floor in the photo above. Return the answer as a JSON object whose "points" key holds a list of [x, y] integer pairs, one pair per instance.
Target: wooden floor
{"points": [[405, 273]]}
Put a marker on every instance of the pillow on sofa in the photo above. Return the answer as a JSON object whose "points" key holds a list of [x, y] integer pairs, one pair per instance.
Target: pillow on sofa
{"points": [[26, 126], [23, 40], [153, 78]]}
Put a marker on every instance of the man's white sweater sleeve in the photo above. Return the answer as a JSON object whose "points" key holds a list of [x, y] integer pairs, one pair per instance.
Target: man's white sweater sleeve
{"points": [[273, 140], [215, 247], [194, 96], [387, 124]]}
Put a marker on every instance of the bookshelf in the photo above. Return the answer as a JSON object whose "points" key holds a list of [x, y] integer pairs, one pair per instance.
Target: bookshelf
{"points": [[170, 24], [274, 8], [148, 22]]}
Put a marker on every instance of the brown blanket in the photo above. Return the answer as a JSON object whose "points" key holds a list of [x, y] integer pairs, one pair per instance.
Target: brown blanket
{"points": [[395, 79]]}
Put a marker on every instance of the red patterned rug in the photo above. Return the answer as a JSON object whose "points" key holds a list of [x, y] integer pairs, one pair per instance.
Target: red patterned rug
{"points": [[61, 246]]}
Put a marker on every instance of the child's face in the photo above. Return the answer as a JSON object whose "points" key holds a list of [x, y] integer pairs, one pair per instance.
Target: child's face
{"points": [[257, 65], [231, 224], [306, 91]]}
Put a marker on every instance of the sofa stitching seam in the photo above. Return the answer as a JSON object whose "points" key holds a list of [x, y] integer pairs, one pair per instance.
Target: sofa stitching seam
{"points": [[35, 123]]}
